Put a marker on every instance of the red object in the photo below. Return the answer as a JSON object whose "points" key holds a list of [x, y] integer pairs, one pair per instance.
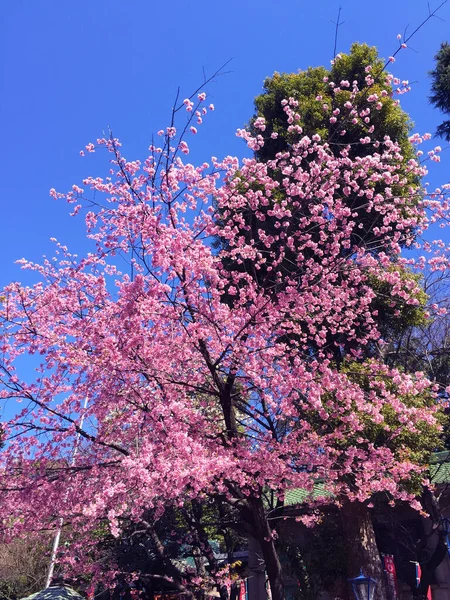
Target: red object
{"points": [[242, 591], [418, 576], [391, 577]]}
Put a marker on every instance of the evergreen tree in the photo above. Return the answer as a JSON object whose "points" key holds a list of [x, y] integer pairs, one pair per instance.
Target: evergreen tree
{"points": [[350, 106], [440, 88]]}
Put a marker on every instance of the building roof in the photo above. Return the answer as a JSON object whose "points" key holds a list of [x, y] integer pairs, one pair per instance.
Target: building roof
{"points": [[440, 467], [56, 592], [300, 495], [439, 475]]}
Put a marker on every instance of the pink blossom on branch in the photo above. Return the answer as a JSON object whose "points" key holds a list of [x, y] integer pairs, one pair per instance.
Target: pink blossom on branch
{"points": [[187, 394]]}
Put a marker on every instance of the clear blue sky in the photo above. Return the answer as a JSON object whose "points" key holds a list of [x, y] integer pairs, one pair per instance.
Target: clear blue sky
{"points": [[71, 69]]}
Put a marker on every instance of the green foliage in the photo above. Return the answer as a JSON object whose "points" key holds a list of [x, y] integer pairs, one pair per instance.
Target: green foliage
{"points": [[413, 443], [397, 316], [305, 86], [440, 88]]}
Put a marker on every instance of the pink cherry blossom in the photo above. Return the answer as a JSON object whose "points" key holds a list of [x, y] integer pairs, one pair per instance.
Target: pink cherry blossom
{"points": [[177, 378]]}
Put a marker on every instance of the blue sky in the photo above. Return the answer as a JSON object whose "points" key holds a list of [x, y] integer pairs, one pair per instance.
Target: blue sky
{"points": [[70, 70]]}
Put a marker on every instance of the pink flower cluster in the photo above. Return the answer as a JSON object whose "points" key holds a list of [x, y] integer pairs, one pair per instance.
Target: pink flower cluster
{"points": [[173, 393]]}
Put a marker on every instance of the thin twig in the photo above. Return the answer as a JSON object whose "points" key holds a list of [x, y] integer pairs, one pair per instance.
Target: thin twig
{"points": [[337, 23], [431, 14]]}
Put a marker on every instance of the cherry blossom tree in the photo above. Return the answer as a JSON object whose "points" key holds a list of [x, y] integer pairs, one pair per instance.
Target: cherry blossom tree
{"points": [[172, 394], [333, 103]]}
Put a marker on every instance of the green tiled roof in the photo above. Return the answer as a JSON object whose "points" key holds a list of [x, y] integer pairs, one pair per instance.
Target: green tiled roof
{"points": [[440, 467], [300, 495], [439, 474]]}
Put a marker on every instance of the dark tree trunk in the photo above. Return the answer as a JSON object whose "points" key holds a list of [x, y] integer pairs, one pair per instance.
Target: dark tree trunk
{"points": [[263, 534], [433, 539], [362, 549]]}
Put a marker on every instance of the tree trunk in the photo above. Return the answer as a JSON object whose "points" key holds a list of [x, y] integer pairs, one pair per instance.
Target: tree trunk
{"points": [[201, 570], [362, 549], [263, 534], [432, 547]]}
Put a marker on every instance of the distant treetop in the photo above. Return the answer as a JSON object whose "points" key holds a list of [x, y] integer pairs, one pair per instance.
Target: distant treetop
{"points": [[440, 88]]}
